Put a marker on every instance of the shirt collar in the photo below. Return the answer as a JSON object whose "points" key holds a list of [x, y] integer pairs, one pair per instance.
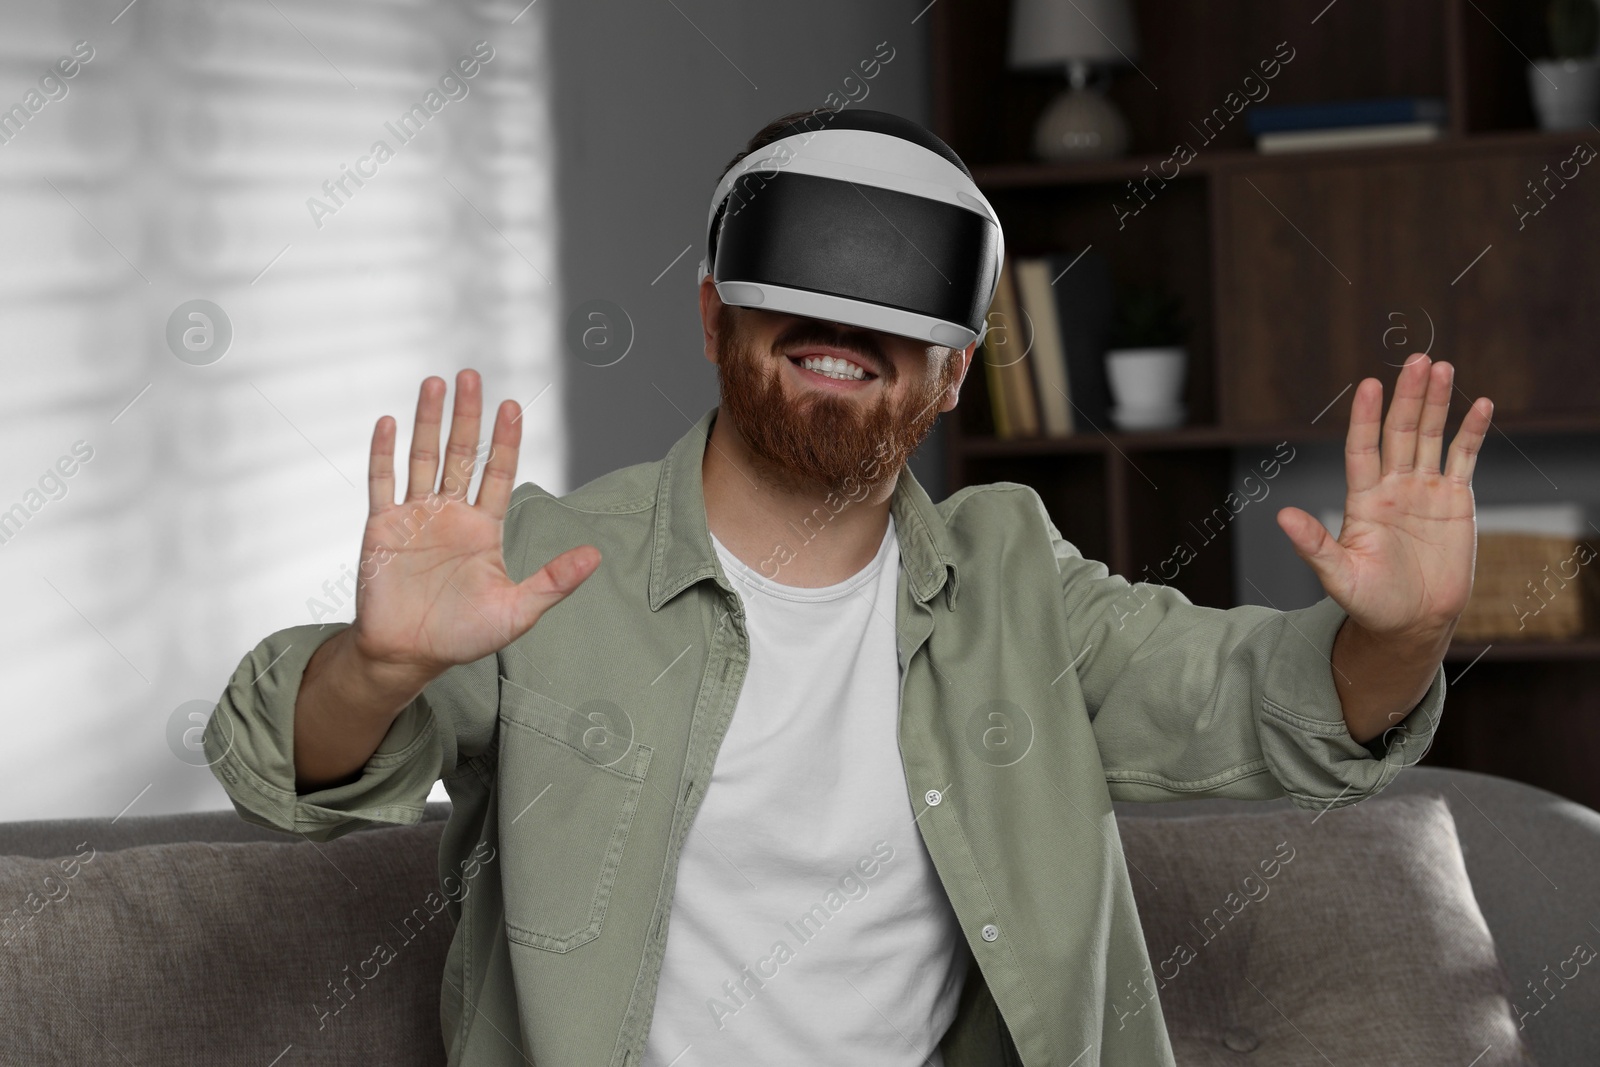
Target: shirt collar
{"points": [[682, 554]]}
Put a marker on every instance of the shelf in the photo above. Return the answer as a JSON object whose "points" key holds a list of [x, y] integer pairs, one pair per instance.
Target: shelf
{"points": [[1284, 321], [1215, 437], [1578, 648], [1028, 175]]}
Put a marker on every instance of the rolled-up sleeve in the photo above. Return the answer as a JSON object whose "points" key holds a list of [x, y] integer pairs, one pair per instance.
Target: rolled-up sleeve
{"points": [[249, 743], [1302, 728], [1189, 701]]}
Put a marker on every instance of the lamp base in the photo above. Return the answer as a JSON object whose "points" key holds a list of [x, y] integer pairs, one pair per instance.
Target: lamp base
{"points": [[1080, 124]]}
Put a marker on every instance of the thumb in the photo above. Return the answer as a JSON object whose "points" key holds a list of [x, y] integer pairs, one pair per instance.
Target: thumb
{"points": [[550, 584], [1313, 543]]}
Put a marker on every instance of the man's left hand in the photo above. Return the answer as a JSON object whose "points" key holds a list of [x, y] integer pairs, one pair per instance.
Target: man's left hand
{"points": [[1402, 563]]}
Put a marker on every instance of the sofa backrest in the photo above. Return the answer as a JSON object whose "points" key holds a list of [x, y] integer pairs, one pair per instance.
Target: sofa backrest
{"points": [[195, 952], [1534, 862], [44, 838], [225, 918]]}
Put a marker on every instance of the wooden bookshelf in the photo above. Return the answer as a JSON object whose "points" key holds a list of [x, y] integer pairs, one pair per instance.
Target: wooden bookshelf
{"points": [[1289, 267]]}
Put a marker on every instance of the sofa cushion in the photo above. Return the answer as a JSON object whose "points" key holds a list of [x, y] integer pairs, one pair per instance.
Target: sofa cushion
{"points": [[1300, 938], [221, 954]]}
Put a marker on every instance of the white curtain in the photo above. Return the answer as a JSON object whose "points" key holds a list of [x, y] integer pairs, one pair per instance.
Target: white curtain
{"points": [[213, 281]]}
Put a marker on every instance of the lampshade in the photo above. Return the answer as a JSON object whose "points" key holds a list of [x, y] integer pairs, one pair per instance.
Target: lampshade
{"points": [[1053, 32]]}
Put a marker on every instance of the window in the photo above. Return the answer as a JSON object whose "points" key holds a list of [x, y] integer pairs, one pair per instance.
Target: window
{"points": [[235, 234]]}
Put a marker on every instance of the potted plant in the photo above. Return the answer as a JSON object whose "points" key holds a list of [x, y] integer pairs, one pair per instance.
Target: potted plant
{"points": [[1147, 363], [1566, 87]]}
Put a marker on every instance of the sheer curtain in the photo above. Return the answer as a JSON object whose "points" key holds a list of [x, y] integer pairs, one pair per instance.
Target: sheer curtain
{"points": [[234, 234]]}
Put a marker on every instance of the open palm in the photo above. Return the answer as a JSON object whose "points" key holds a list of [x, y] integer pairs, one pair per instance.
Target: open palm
{"points": [[1402, 563], [433, 589]]}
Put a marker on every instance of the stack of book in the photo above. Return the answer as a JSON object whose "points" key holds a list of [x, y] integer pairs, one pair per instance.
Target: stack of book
{"points": [[1044, 353], [1347, 123]]}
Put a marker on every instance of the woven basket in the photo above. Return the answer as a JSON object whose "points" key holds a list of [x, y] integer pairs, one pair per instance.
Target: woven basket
{"points": [[1532, 586]]}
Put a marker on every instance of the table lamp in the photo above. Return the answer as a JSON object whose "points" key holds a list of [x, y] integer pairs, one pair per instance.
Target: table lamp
{"points": [[1080, 123]]}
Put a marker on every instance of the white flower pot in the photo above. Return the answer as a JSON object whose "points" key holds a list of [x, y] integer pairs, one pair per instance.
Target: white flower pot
{"points": [[1147, 387], [1566, 92]]}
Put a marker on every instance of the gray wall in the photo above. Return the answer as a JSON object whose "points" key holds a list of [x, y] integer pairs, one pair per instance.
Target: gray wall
{"points": [[647, 113]]}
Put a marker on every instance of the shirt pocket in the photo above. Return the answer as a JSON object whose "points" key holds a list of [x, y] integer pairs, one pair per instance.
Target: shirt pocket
{"points": [[569, 787]]}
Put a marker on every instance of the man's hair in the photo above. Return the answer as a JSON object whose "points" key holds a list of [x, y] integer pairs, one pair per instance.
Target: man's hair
{"points": [[783, 126], [820, 118]]}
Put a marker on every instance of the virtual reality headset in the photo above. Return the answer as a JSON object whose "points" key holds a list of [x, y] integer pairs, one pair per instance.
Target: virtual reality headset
{"points": [[858, 217]]}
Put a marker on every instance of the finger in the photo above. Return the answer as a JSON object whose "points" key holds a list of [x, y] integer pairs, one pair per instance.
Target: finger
{"points": [[500, 473], [1361, 470], [1313, 543], [550, 584], [1400, 428], [461, 454], [1435, 407], [380, 467], [425, 439], [1469, 441]]}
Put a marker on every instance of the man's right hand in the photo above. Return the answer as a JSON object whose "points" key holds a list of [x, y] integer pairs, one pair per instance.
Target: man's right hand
{"points": [[432, 591], [432, 587]]}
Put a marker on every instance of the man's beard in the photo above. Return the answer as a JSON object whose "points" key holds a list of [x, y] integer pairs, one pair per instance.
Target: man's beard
{"points": [[819, 441]]}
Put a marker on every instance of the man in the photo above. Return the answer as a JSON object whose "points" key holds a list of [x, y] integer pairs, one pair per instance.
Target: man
{"points": [[776, 760]]}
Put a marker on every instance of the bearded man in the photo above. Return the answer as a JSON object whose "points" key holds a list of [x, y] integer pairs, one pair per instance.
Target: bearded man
{"points": [[806, 768]]}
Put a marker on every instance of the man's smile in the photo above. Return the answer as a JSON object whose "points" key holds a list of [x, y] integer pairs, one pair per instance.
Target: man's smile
{"points": [[834, 368]]}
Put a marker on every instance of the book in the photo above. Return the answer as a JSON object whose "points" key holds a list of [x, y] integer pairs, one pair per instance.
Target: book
{"points": [[1084, 311], [1038, 303], [1336, 114], [1349, 137], [995, 382], [1009, 353]]}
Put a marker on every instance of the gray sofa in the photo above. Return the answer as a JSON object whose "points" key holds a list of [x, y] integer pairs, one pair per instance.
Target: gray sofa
{"points": [[228, 943]]}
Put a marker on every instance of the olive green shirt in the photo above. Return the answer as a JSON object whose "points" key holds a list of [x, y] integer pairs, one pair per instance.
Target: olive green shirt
{"points": [[1036, 688]]}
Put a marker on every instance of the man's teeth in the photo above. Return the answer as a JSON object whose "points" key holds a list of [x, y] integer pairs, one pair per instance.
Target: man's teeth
{"points": [[842, 369]]}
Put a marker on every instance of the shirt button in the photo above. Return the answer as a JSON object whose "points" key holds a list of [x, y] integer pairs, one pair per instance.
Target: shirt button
{"points": [[933, 797], [991, 932]]}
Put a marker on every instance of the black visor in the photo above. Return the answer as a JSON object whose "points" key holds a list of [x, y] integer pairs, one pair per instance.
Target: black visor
{"points": [[861, 242]]}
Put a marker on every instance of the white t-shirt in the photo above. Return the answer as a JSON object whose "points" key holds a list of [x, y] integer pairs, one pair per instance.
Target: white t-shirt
{"points": [[808, 924]]}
